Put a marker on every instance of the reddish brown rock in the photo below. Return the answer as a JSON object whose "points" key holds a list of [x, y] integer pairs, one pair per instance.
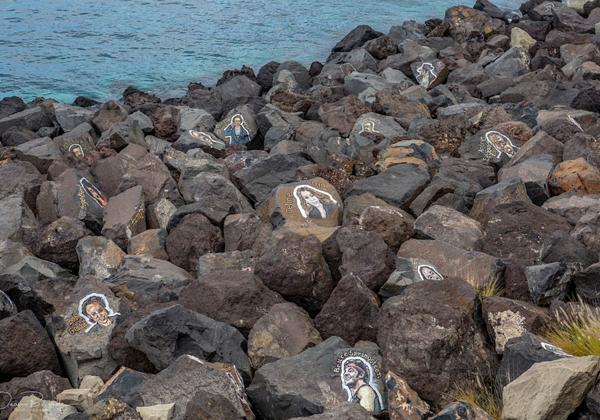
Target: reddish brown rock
{"points": [[342, 114], [575, 175], [166, 122]]}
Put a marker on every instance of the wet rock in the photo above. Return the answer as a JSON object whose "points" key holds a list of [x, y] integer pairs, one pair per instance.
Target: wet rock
{"points": [[258, 180], [32, 118], [453, 262], [194, 236], [17, 221], [397, 186], [356, 38], [146, 280], [285, 389], [575, 175], [31, 407], [43, 384], [125, 216], [110, 113], [412, 326], [293, 265], [556, 388], [40, 152], [238, 298], [518, 230], [547, 282], [284, 331], [57, 242], [403, 401], [506, 319], [351, 312], [448, 225], [98, 256], [215, 194], [150, 242], [26, 347]]}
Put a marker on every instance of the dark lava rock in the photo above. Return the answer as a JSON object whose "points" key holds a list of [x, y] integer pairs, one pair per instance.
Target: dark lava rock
{"points": [[428, 336], [168, 333], [57, 242]]}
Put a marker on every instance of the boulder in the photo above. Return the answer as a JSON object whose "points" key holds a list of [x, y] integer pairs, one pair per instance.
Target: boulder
{"points": [[356, 38], [168, 333], [395, 226], [518, 230], [398, 186], [149, 280], [191, 238], [11, 105], [540, 143], [98, 256], [342, 115], [431, 325], [521, 39], [166, 122], [586, 283], [242, 231], [125, 216], [293, 266], [43, 384], [215, 194], [286, 388], [403, 401], [554, 389], [236, 91], [121, 134], [449, 261], [159, 213], [351, 312], [513, 63], [78, 142], [521, 353], [40, 152], [32, 407], [408, 271], [69, 117], [26, 347], [142, 121], [284, 331], [506, 319], [226, 261], [448, 225], [464, 21], [150, 242], [507, 191], [17, 221], [461, 410], [238, 298], [15, 136], [157, 412], [110, 113], [393, 103], [568, 20], [547, 282], [429, 73], [32, 118], [575, 175], [57, 242]]}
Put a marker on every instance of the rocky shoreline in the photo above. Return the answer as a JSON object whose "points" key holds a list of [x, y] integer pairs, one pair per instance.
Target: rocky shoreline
{"points": [[410, 230]]}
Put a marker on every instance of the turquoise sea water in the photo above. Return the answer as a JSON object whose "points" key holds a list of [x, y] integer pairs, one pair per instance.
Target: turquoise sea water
{"points": [[65, 48]]}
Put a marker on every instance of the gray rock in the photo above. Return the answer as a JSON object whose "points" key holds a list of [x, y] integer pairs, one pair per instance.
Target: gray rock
{"points": [[150, 242], [242, 231], [224, 261], [460, 410], [83, 135], [150, 280], [40, 152], [111, 112], [125, 216], [32, 118], [20, 177], [356, 38], [56, 242], [534, 172], [121, 134], [11, 105], [98, 257], [69, 117], [408, 271], [449, 225], [513, 63], [286, 388], [142, 121], [547, 282], [586, 284], [168, 333], [17, 221], [507, 191], [398, 186]]}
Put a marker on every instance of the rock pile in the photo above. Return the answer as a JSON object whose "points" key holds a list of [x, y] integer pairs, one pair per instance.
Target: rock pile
{"points": [[313, 241]]}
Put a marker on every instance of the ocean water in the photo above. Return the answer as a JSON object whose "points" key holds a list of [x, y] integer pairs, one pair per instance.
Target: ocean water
{"points": [[65, 48]]}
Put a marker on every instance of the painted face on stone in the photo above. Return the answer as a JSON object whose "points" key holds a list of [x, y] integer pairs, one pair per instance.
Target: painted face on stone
{"points": [[310, 198], [368, 127], [237, 121], [428, 273], [352, 375], [98, 313], [77, 151]]}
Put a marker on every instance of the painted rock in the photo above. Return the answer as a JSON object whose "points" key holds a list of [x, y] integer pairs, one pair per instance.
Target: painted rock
{"points": [[429, 73], [311, 202], [408, 151]]}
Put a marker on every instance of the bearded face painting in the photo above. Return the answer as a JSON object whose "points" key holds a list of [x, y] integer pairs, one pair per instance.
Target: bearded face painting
{"points": [[314, 203], [236, 132], [368, 126], [358, 380], [500, 143], [95, 310], [426, 74], [427, 272], [94, 193]]}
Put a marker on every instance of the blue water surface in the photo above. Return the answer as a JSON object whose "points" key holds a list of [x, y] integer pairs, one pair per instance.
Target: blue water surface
{"points": [[65, 48]]}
